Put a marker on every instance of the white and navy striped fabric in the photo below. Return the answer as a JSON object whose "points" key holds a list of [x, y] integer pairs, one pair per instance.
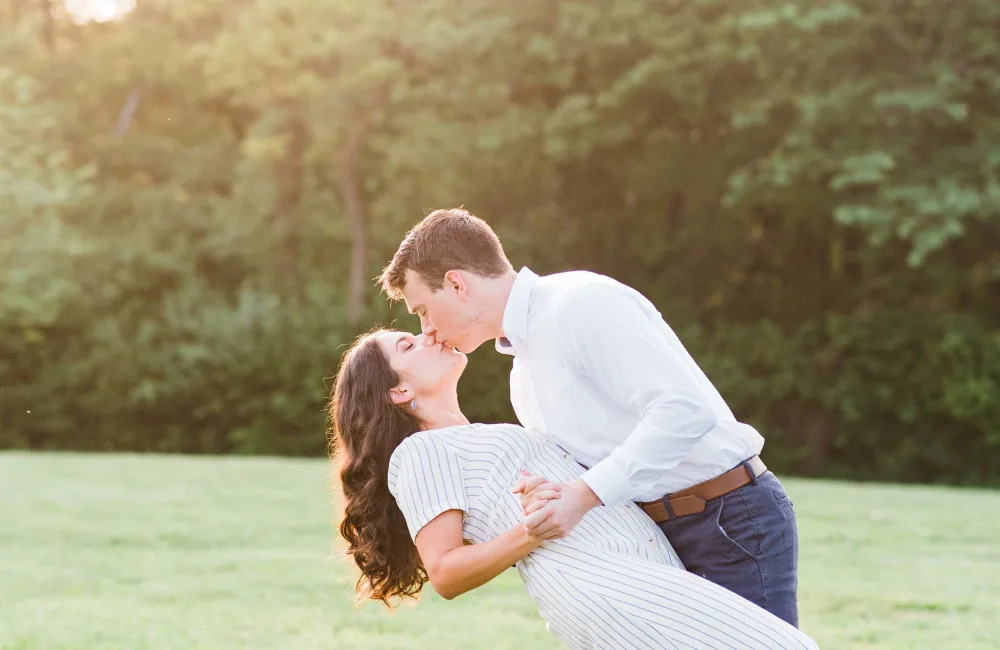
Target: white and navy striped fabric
{"points": [[613, 583]]}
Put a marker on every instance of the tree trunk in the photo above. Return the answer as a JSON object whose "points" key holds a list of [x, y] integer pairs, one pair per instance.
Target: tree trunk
{"points": [[816, 427], [13, 11], [49, 32], [289, 198], [352, 196]]}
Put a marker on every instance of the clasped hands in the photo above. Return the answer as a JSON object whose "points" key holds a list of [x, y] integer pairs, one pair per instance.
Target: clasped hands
{"points": [[551, 510]]}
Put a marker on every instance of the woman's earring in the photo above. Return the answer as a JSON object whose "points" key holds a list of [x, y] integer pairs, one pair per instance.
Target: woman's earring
{"points": [[413, 405]]}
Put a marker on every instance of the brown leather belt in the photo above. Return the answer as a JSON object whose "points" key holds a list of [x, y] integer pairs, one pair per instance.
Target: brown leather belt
{"points": [[691, 501]]}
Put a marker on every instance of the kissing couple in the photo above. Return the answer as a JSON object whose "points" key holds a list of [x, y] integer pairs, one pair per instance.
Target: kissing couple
{"points": [[635, 507]]}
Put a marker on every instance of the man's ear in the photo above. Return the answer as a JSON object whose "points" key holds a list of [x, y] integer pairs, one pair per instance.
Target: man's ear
{"points": [[455, 280], [400, 394]]}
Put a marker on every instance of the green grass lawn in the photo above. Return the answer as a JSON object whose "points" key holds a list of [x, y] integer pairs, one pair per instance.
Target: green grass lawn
{"points": [[124, 552]]}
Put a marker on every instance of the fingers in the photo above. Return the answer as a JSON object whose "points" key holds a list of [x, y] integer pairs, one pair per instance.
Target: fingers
{"points": [[535, 505], [544, 495], [548, 529], [525, 476], [541, 484], [555, 532], [535, 486], [535, 491], [532, 521], [546, 491], [543, 524], [534, 483]]}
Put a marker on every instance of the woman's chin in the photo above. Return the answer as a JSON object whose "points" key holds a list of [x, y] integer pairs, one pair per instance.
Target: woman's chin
{"points": [[459, 362]]}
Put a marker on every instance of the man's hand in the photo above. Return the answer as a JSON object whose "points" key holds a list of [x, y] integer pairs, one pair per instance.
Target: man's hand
{"points": [[556, 518], [535, 491]]}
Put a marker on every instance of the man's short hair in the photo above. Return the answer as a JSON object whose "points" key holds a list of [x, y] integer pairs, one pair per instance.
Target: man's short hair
{"points": [[445, 240]]}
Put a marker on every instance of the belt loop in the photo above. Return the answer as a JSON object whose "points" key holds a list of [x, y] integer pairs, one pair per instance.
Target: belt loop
{"points": [[753, 475], [670, 511]]}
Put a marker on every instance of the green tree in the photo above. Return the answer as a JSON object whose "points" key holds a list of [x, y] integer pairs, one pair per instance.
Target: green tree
{"points": [[195, 201]]}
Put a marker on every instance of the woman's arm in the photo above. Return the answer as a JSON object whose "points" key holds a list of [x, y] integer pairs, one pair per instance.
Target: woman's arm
{"points": [[453, 568]]}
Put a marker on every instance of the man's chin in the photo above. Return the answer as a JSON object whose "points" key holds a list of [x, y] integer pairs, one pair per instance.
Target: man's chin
{"points": [[466, 347]]}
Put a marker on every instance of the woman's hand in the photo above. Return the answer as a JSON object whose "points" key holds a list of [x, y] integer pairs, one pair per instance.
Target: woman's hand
{"points": [[535, 491], [544, 517], [556, 518]]}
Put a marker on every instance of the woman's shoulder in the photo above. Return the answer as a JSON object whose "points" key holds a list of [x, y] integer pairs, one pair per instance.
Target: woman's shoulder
{"points": [[422, 441], [423, 449], [419, 443], [463, 430], [468, 433]]}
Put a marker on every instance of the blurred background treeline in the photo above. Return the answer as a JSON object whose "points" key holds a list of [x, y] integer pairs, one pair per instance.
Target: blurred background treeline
{"points": [[195, 200]]}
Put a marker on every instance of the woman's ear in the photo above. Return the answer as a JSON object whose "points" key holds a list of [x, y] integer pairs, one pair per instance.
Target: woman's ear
{"points": [[400, 395]]}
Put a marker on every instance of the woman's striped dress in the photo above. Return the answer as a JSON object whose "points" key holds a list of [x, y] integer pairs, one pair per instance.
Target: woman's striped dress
{"points": [[613, 583]]}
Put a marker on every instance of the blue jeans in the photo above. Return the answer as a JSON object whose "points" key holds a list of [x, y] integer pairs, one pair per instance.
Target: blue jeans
{"points": [[746, 541]]}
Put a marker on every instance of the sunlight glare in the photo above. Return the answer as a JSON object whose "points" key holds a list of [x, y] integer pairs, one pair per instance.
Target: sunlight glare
{"points": [[99, 10]]}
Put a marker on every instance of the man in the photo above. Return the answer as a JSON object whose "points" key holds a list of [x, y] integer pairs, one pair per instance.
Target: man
{"points": [[597, 370]]}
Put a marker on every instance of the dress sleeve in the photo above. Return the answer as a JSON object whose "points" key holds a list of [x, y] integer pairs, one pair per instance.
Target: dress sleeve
{"points": [[425, 478], [612, 338]]}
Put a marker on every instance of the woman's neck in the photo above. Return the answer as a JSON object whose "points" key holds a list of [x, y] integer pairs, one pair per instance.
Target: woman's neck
{"points": [[441, 412]]}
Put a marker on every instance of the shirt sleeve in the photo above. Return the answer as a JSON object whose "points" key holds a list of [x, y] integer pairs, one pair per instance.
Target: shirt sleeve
{"points": [[612, 339], [425, 479]]}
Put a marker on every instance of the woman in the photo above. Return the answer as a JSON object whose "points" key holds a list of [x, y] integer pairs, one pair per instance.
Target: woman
{"points": [[429, 497]]}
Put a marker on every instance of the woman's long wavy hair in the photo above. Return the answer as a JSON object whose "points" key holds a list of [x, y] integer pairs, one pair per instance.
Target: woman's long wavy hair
{"points": [[367, 428]]}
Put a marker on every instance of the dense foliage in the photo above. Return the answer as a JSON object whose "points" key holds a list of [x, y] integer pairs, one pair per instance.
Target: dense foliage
{"points": [[195, 200]]}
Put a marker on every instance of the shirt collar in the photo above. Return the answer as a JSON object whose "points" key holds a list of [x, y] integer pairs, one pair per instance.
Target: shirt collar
{"points": [[515, 313]]}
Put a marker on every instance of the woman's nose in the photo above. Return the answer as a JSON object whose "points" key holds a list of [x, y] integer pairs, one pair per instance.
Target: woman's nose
{"points": [[426, 341]]}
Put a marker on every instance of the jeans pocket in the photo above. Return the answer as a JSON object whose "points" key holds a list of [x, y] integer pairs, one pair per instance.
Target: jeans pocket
{"points": [[736, 527], [782, 499]]}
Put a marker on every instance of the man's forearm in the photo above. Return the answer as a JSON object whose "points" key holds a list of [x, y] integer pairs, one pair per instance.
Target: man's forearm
{"points": [[659, 443], [584, 494]]}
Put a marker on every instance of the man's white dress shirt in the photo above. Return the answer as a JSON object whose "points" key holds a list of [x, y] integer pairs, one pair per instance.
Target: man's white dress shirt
{"points": [[598, 371]]}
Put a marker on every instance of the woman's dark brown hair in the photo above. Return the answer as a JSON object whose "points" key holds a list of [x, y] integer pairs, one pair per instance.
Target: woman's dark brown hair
{"points": [[367, 428]]}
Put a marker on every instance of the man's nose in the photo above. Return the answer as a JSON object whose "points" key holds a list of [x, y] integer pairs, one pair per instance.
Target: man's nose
{"points": [[428, 330]]}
